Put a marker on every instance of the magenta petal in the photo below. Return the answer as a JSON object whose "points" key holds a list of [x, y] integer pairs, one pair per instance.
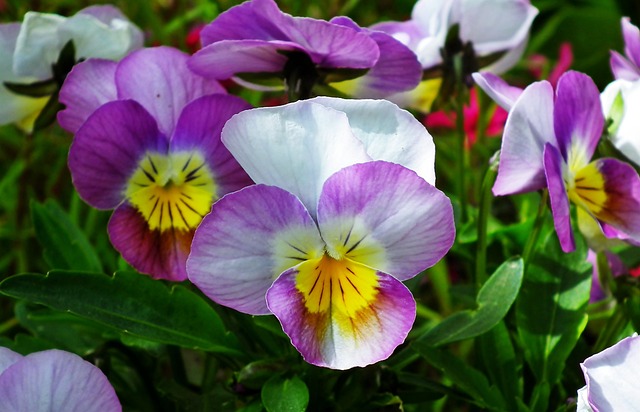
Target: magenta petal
{"points": [[529, 127], [631, 36], [385, 216], [107, 148], [560, 208], [163, 255], [88, 86], [158, 78], [334, 339], [55, 380], [248, 239], [224, 59], [622, 188], [577, 117], [199, 128], [622, 68], [8, 358]]}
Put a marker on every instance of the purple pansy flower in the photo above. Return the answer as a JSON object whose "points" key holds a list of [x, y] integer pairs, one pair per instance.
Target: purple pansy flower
{"points": [[612, 378], [343, 211], [53, 380], [256, 40], [549, 141], [152, 152], [627, 67]]}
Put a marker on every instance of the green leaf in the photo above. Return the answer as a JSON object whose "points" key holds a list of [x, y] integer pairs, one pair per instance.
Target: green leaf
{"points": [[467, 378], [494, 300], [65, 245], [551, 308], [131, 303], [280, 394]]}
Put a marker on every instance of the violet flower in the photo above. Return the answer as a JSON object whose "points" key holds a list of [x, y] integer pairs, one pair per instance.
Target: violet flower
{"points": [[549, 141], [53, 380], [325, 238], [152, 152]]}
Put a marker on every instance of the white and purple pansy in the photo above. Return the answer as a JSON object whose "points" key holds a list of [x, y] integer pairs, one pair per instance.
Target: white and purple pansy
{"points": [[147, 144], [344, 209], [53, 380]]}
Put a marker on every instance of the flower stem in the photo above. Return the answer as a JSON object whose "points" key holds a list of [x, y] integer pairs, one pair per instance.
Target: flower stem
{"points": [[483, 217], [462, 138], [537, 227], [612, 329]]}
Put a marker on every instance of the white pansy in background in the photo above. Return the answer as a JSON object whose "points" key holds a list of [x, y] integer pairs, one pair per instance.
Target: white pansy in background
{"points": [[29, 49], [612, 378], [53, 380]]}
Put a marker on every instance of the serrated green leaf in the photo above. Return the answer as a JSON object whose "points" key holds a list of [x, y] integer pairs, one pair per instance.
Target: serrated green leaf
{"points": [[280, 394], [551, 308], [494, 300], [65, 245], [468, 379], [131, 303]]}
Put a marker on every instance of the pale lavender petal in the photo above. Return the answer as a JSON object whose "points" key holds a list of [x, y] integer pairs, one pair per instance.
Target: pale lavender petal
{"points": [[616, 266], [406, 32], [248, 239], [107, 149], [160, 254], [8, 358], [226, 58], [385, 216], [158, 78], [295, 147], [612, 376], [560, 208], [434, 18], [622, 68], [500, 91], [631, 36], [361, 317], [529, 127], [55, 380], [388, 133], [396, 70], [107, 14], [199, 128], [88, 86], [577, 118]]}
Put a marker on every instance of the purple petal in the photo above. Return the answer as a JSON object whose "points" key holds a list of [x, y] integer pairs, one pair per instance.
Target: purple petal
{"points": [[612, 376], [385, 216], [199, 128], [553, 167], [340, 314], [631, 36], [622, 68], [577, 117], [397, 69], [54, 380], [406, 32], [160, 254], [248, 239], [226, 58], [107, 149], [620, 204], [8, 358], [529, 127], [159, 79], [499, 90], [88, 86]]}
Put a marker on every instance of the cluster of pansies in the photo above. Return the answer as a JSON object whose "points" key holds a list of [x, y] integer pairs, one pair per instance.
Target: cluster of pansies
{"points": [[317, 210]]}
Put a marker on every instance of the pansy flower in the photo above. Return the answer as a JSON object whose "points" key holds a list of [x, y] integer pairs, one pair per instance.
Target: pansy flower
{"points": [[53, 380], [342, 212], [29, 49], [612, 376], [549, 142], [255, 43], [154, 154]]}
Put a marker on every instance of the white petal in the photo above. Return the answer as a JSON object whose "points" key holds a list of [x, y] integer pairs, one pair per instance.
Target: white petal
{"points": [[627, 137], [38, 45]]}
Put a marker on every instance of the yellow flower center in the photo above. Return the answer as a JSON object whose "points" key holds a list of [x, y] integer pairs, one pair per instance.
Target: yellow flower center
{"points": [[587, 189], [172, 191]]}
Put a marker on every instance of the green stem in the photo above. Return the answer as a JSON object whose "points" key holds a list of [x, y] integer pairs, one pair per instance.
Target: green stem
{"points": [[483, 218], [612, 329], [439, 276], [462, 152], [8, 325], [537, 227], [208, 381]]}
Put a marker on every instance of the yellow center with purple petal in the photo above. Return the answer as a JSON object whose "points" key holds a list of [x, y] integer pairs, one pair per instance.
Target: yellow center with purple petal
{"points": [[336, 285], [588, 189], [172, 191]]}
